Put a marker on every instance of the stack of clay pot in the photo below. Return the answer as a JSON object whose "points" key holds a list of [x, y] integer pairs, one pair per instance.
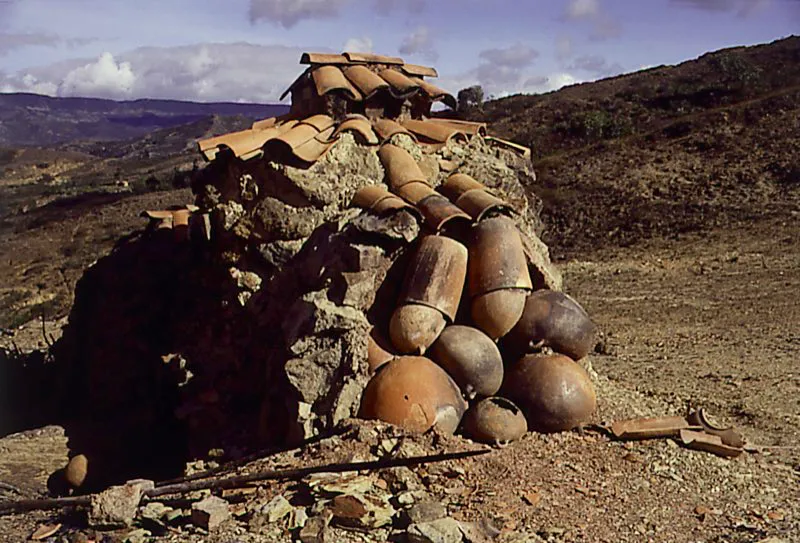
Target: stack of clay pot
{"points": [[495, 360]]}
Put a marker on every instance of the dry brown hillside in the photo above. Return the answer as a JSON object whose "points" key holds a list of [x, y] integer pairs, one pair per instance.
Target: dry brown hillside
{"points": [[710, 142]]}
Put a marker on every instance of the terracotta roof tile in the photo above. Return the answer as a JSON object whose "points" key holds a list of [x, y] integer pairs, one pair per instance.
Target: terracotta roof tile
{"points": [[367, 81], [477, 203], [401, 85], [467, 127], [242, 143], [400, 166], [521, 149], [373, 59], [439, 212], [420, 71], [379, 201], [315, 148], [386, 128], [361, 126], [471, 196], [329, 78], [323, 58], [435, 132], [414, 192], [436, 93], [263, 124]]}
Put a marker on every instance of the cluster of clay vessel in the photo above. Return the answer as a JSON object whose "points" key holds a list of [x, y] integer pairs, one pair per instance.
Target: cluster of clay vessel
{"points": [[494, 361]]}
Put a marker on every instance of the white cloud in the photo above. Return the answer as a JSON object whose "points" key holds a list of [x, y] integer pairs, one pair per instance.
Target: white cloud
{"points": [[580, 9], [358, 45], [288, 13], [516, 55], [104, 78], [235, 72], [419, 42], [603, 25]]}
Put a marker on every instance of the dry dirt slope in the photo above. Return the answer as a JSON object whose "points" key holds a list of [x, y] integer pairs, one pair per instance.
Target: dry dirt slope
{"points": [[708, 143]]}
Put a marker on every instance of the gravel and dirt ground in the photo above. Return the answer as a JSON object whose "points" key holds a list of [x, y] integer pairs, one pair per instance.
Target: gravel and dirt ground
{"points": [[709, 318]]}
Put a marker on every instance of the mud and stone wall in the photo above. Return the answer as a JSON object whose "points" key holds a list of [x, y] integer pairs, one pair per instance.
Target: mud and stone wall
{"points": [[259, 335]]}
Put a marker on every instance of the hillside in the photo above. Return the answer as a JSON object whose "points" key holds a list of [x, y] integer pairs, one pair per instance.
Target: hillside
{"points": [[34, 120], [709, 142]]}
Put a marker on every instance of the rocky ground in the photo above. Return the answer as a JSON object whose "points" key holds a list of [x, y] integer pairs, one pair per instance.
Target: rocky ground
{"points": [[674, 222], [705, 318]]}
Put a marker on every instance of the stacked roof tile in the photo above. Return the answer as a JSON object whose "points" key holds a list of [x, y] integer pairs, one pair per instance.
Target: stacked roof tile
{"points": [[370, 96]]}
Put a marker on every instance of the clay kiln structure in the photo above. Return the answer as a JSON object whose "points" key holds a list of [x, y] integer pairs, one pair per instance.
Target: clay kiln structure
{"points": [[330, 255]]}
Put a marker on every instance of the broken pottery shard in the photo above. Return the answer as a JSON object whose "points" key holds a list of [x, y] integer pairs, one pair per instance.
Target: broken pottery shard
{"points": [[115, 507], [647, 428], [445, 530], [702, 441], [728, 435], [210, 512], [361, 511], [415, 393]]}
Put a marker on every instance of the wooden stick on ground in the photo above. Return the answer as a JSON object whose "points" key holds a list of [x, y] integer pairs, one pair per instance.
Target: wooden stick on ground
{"points": [[243, 480]]}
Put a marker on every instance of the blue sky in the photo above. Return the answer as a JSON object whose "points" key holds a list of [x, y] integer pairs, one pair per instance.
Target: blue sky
{"points": [[247, 50]]}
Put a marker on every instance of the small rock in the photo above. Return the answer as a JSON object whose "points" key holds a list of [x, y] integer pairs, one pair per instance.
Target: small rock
{"points": [[277, 508], [479, 532], [360, 511], [154, 511], [298, 518], [445, 530], [76, 470], [426, 512], [316, 529], [210, 513], [412, 496], [44, 531], [115, 507], [137, 536]]}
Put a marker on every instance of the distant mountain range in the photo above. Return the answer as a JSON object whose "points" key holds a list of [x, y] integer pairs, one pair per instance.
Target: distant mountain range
{"points": [[35, 120]]}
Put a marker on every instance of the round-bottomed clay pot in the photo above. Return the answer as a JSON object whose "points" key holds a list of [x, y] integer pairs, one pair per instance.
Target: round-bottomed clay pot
{"points": [[498, 311], [554, 392], [471, 358], [415, 393], [552, 319], [495, 420], [414, 327]]}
